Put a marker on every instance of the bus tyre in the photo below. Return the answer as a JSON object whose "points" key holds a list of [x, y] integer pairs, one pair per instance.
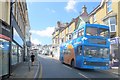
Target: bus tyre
{"points": [[72, 63]]}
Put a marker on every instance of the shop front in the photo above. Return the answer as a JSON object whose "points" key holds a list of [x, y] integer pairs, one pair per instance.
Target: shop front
{"points": [[114, 51], [17, 48], [4, 48]]}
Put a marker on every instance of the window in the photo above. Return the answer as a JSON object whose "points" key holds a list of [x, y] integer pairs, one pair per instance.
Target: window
{"points": [[20, 54], [62, 40], [74, 35], [91, 31], [111, 22], [109, 6], [4, 51], [96, 52], [14, 54], [56, 40], [70, 36], [94, 17], [79, 50], [103, 32], [80, 32]]}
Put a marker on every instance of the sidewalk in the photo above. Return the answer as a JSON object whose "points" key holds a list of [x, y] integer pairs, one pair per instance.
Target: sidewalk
{"points": [[115, 70], [23, 71]]}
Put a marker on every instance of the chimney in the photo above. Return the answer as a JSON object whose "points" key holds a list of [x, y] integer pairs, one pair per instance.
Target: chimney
{"points": [[58, 23], [73, 19], [84, 9], [67, 23]]}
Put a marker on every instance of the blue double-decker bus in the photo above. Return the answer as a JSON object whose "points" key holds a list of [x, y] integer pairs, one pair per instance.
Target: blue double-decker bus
{"points": [[89, 47]]}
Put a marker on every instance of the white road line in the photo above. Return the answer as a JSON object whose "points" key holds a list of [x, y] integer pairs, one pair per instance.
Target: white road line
{"points": [[82, 75], [67, 67]]}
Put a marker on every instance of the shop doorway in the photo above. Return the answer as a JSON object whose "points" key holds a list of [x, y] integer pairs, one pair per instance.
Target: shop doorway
{"points": [[4, 57]]}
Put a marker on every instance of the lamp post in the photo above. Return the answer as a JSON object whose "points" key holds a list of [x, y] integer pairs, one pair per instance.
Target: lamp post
{"points": [[11, 36]]}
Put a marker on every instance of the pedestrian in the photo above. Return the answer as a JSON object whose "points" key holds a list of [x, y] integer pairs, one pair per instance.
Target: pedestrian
{"points": [[32, 58]]}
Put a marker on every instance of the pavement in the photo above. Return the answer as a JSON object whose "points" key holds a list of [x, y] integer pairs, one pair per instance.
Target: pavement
{"points": [[115, 70], [25, 72]]}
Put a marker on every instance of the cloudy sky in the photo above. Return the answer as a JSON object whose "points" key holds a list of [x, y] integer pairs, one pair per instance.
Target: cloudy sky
{"points": [[44, 14]]}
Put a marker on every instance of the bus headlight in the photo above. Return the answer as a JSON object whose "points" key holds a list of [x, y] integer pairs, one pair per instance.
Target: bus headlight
{"points": [[84, 62]]}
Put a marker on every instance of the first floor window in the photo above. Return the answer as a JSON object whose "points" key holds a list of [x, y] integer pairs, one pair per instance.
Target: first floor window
{"points": [[111, 22]]}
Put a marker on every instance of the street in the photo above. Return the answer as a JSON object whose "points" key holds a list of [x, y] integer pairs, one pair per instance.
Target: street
{"points": [[51, 68]]}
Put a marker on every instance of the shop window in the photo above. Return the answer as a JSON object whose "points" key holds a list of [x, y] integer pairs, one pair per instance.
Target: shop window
{"points": [[14, 54], [4, 50]]}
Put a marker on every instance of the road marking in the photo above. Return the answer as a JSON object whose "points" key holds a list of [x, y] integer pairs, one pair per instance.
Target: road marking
{"points": [[35, 76], [83, 75], [41, 71], [67, 67]]}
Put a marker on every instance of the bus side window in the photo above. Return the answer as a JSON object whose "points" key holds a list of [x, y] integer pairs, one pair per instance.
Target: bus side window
{"points": [[79, 50]]}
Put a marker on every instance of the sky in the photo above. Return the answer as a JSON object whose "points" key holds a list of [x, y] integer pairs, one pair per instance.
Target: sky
{"points": [[44, 14]]}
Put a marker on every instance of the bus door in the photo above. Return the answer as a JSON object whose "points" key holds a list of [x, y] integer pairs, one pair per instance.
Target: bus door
{"points": [[79, 55]]}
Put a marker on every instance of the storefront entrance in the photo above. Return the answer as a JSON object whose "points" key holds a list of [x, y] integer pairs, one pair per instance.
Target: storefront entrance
{"points": [[4, 51]]}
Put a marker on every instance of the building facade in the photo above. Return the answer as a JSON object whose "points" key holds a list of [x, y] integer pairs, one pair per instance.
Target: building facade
{"points": [[64, 33], [12, 35], [56, 38], [5, 38], [107, 13]]}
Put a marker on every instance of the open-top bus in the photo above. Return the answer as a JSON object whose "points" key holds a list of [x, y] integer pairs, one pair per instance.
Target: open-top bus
{"points": [[89, 47]]}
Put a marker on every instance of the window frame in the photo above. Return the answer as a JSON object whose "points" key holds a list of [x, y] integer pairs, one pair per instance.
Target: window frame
{"points": [[94, 18], [81, 32], [109, 6], [108, 23]]}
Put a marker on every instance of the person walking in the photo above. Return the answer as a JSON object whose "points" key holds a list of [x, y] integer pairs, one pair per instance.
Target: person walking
{"points": [[32, 58]]}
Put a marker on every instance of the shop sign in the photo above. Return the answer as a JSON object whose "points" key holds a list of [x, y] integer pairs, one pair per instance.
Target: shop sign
{"points": [[5, 37]]}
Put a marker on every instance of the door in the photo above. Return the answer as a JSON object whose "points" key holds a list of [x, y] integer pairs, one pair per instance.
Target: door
{"points": [[5, 51]]}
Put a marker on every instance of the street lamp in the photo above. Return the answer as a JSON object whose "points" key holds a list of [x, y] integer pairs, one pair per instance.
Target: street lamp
{"points": [[11, 36]]}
